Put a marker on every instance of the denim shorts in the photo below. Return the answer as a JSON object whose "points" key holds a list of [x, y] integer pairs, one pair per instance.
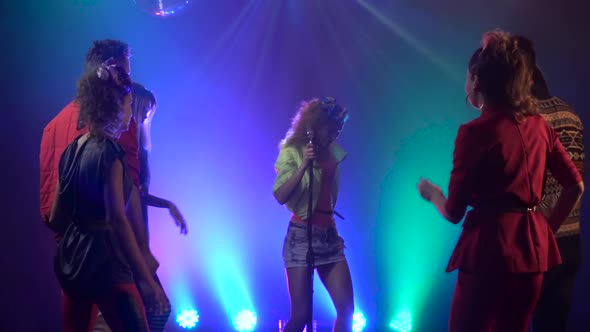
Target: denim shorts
{"points": [[328, 246]]}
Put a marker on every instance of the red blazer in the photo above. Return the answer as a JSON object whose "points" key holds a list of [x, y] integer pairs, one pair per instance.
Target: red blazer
{"points": [[57, 135], [498, 170]]}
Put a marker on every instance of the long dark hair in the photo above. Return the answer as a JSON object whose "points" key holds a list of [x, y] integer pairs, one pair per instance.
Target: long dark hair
{"points": [[540, 89], [143, 101], [100, 93]]}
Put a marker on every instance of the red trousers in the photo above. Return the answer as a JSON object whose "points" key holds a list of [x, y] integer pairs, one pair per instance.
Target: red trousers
{"points": [[494, 302], [121, 307]]}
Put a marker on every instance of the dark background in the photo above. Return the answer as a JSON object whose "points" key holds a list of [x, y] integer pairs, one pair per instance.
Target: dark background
{"points": [[203, 58]]}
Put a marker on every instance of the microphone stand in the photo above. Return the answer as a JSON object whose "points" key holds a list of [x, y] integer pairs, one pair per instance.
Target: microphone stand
{"points": [[310, 256]]}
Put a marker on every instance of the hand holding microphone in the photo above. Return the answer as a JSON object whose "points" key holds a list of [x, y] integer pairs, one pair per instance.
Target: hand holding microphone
{"points": [[309, 151]]}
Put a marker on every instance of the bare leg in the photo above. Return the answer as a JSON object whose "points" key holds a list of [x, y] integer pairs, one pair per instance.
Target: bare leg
{"points": [[299, 282], [336, 278]]}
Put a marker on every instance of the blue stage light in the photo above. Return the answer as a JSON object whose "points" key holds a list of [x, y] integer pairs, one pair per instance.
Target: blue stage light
{"points": [[187, 318]]}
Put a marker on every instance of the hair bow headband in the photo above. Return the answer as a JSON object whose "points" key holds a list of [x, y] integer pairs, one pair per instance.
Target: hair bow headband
{"points": [[108, 70], [334, 110]]}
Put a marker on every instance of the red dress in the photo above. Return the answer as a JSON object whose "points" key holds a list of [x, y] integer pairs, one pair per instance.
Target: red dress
{"points": [[498, 169]]}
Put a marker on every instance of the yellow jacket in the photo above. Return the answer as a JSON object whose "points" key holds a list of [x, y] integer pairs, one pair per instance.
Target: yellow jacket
{"points": [[289, 160]]}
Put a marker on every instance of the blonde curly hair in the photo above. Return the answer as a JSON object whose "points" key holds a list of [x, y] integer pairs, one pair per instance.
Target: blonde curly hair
{"points": [[313, 114]]}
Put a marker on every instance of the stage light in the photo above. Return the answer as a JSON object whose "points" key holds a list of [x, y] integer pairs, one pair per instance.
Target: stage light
{"points": [[187, 318], [359, 322], [402, 322], [162, 8], [245, 320]]}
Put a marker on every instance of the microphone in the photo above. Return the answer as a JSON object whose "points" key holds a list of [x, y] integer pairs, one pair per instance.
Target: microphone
{"points": [[310, 135], [310, 138]]}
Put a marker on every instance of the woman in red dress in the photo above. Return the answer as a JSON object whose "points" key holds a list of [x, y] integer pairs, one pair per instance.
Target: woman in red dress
{"points": [[499, 165]]}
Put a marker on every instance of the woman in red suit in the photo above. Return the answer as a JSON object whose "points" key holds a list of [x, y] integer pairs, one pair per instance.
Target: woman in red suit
{"points": [[499, 165]]}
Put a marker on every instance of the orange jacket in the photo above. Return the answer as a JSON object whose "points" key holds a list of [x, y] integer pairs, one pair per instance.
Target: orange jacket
{"points": [[57, 135]]}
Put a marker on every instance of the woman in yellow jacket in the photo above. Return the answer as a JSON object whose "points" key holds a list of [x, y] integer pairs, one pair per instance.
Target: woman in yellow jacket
{"points": [[311, 141]]}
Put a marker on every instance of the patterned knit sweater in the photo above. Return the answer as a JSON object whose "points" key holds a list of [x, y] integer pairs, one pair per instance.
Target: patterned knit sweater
{"points": [[569, 127]]}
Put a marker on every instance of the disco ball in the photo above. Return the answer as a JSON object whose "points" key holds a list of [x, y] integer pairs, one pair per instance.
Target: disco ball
{"points": [[163, 8]]}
